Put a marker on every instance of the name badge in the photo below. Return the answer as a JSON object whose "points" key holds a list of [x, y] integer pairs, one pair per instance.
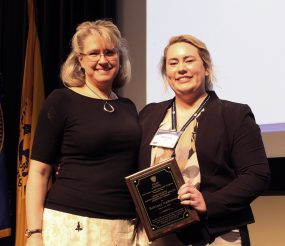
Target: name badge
{"points": [[165, 138]]}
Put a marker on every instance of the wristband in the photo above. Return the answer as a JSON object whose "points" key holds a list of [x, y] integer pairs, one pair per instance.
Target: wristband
{"points": [[29, 232]]}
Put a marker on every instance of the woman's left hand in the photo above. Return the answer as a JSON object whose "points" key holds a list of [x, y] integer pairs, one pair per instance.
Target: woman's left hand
{"points": [[189, 195]]}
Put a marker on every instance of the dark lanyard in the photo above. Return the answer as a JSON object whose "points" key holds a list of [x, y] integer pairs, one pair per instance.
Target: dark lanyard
{"points": [[174, 118]]}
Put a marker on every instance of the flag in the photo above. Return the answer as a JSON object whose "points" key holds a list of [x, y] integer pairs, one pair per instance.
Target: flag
{"points": [[31, 101], [5, 227]]}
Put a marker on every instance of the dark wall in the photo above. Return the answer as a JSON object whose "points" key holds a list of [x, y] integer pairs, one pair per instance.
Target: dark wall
{"points": [[56, 23], [12, 49], [277, 183]]}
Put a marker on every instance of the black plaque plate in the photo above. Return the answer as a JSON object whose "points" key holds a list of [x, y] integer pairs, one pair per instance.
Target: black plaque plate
{"points": [[154, 191]]}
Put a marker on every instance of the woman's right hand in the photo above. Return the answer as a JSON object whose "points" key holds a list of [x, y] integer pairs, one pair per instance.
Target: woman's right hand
{"points": [[35, 240], [36, 190]]}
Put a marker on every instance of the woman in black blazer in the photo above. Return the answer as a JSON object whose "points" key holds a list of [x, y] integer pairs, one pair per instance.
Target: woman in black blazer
{"points": [[219, 148]]}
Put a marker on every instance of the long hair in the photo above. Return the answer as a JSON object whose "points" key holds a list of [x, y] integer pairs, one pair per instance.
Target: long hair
{"points": [[71, 72]]}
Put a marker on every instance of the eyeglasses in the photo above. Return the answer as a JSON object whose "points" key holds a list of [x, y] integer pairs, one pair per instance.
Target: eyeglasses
{"points": [[95, 55]]}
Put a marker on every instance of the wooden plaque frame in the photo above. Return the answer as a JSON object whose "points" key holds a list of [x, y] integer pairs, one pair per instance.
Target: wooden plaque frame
{"points": [[154, 192]]}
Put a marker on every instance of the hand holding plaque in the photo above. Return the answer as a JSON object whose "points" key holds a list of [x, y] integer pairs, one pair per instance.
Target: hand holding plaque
{"points": [[154, 191]]}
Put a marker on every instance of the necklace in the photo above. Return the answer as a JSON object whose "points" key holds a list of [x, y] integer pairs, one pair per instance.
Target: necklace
{"points": [[107, 106]]}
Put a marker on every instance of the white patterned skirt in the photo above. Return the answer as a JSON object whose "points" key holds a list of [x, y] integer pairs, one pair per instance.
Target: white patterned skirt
{"points": [[66, 229]]}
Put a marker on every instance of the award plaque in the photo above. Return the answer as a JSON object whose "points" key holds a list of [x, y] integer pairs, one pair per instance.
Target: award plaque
{"points": [[155, 193]]}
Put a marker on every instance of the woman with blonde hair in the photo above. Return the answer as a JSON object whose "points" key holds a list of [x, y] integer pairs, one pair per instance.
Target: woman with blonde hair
{"points": [[92, 136], [217, 146]]}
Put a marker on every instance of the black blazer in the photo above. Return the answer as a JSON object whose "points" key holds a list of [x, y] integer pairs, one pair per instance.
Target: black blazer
{"points": [[233, 164]]}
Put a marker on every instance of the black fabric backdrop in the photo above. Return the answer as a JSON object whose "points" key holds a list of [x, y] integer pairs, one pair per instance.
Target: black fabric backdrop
{"points": [[56, 23]]}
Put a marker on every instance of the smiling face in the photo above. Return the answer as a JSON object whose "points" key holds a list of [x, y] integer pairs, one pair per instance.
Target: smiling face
{"points": [[102, 71], [185, 70]]}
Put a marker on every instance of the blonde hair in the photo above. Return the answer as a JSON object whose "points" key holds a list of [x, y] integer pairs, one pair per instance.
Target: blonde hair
{"points": [[203, 53], [71, 72]]}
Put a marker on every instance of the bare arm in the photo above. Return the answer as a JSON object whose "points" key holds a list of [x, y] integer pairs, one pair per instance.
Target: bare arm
{"points": [[37, 187]]}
